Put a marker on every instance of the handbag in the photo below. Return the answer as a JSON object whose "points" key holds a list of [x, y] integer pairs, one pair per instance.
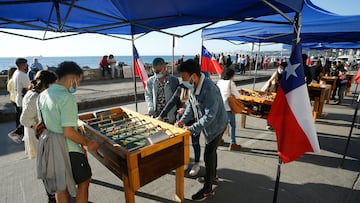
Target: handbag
{"points": [[235, 104], [41, 126], [39, 129]]}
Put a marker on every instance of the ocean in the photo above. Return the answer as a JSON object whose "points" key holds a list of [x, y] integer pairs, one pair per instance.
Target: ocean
{"points": [[89, 61]]}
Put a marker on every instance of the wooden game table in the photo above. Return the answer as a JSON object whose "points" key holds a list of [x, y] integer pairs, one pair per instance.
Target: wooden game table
{"points": [[136, 148], [317, 93]]}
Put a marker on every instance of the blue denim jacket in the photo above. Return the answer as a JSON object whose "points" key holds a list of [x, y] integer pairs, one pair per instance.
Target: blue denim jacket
{"points": [[207, 108], [151, 94]]}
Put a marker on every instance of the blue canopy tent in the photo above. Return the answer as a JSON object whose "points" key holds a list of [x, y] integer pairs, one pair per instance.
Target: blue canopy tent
{"points": [[335, 45], [129, 17], [318, 26]]}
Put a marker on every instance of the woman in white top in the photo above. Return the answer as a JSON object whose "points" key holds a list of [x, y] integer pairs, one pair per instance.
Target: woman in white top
{"points": [[227, 88], [29, 116]]}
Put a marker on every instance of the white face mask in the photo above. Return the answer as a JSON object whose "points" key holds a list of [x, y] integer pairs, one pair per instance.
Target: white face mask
{"points": [[73, 87]]}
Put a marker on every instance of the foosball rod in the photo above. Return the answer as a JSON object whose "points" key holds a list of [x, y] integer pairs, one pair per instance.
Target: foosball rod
{"points": [[107, 123], [110, 129], [118, 121], [97, 118], [136, 133]]}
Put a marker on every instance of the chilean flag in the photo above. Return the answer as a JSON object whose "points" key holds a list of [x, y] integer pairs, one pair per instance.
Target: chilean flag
{"points": [[291, 114], [140, 69], [209, 63]]}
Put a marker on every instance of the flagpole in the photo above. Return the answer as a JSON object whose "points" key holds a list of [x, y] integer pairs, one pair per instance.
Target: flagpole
{"points": [[296, 23], [350, 133], [277, 182], [256, 65], [134, 76]]}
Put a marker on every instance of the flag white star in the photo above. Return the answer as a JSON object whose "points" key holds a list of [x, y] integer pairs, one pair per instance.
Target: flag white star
{"points": [[290, 70]]}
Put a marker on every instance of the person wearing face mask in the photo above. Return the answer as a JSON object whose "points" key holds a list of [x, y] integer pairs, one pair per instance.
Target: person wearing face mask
{"points": [[206, 107], [159, 90], [21, 83], [61, 155], [272, 84]]}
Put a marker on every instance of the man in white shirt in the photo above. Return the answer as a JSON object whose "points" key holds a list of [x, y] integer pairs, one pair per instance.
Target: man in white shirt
{"points": [[21, 84]]}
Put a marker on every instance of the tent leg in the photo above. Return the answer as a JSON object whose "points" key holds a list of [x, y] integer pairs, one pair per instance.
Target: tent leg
{"points": [[350, 133], [134, 76], [256, 64], [173, 58]]}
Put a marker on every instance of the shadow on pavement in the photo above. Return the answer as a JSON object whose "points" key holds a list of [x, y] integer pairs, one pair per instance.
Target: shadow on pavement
{"points": [[7, 145], [141, 194]]}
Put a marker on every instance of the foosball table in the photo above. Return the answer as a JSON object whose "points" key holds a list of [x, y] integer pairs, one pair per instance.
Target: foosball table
{"points": [[136, 148], [258, 104]]}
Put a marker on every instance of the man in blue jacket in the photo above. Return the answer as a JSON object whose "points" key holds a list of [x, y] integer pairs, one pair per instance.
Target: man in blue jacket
{"points": [[207, 108]]}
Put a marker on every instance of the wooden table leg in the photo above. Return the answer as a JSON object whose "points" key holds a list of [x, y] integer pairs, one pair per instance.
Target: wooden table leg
{"points": [[328, 96], [179, 196], [316, 108], [129, 192], [243, 120]]}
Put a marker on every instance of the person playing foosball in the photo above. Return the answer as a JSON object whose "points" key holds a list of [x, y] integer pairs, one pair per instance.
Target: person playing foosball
{"points": [[206, 107]]}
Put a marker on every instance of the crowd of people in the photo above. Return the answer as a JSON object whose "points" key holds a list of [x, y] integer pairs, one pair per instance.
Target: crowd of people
{"points": [[195, 103], [61, 150]]}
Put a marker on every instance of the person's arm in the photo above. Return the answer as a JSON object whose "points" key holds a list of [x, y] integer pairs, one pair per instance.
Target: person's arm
{"points": [[187, 116], [28, 116], [149, 96], [234, 91], [68, 112], [72, 134], [210, 106], [171, 103]]}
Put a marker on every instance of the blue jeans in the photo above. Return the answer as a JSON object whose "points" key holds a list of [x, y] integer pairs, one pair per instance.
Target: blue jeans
{"points": [[196, 146], [341, 92], [232, 121]]}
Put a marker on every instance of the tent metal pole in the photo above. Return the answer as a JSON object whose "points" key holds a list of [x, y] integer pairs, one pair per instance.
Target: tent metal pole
{"points": [[350, 132], [297, 23], [134, 76], [251, 55], [278, 10], [256, 65], [173, 58]]}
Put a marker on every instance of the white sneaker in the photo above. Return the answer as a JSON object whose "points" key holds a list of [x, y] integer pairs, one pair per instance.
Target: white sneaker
{"points": [[14, 137], [195, 169]]}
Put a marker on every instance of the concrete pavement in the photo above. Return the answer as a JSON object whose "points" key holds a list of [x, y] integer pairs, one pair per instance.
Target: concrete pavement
{"points": [[245, 176]]}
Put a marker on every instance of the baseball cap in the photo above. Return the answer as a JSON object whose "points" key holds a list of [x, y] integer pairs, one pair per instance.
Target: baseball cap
{"points": [[158, 61]]}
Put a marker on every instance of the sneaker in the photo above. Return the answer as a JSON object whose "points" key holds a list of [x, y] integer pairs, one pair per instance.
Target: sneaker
{"points": [[202, 195], [268, 127], [234, 147], [195, 169], [14, 137], [186, 167], [215, 180]]}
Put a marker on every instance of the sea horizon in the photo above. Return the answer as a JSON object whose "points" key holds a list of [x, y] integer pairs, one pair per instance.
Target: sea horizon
{"points": [[83, 61]]}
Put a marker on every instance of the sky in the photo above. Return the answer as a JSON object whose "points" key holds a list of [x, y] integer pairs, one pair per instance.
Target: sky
{"points": [[153, 43]]}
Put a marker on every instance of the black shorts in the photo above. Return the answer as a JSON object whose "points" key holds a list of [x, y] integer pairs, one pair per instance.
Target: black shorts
{"points": [[80, 167]]}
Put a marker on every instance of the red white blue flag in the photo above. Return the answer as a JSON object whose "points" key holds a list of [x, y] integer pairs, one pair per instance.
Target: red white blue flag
{"points": [[291, 114], [209, 63], [140, 69]]}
